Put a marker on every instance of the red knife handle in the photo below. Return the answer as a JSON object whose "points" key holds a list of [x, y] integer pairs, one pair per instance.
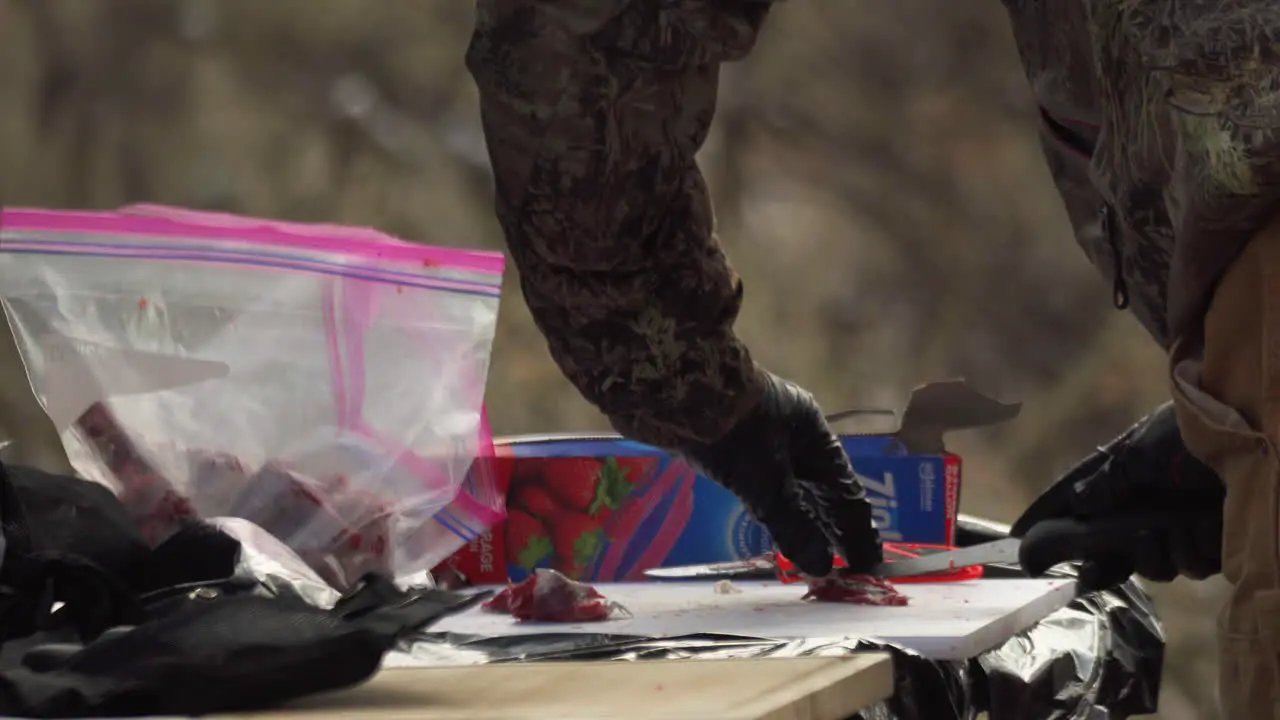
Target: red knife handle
{"points": [[787, 572]]}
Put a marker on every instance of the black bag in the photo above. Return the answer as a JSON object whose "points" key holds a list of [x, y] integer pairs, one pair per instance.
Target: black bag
{"points": [[167, 631]]}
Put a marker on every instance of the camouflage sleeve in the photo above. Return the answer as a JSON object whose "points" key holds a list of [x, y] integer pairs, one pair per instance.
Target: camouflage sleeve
{"points": [[593, 111], [1192, 93]]}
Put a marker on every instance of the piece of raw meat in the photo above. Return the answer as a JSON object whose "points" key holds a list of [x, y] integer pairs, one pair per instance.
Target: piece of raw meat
{"points": [[153, 503], [724, 587], [548, 596], [856, 590], [340, 533], [216, 478]]}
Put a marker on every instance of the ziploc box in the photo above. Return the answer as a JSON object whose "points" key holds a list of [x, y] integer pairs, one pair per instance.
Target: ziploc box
{"points": [[604, 509]]}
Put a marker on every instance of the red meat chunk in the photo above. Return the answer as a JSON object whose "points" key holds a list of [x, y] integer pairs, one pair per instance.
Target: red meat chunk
{"points": [[150, 499], [548, 596], [855, 589]]}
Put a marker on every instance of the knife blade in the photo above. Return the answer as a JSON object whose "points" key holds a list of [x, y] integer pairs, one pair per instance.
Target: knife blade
{"points": [[1047, 544], [762, 568], [1004, 550]]}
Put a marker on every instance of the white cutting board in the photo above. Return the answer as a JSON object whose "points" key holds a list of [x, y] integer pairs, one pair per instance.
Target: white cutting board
{"points": [[944, 621]]}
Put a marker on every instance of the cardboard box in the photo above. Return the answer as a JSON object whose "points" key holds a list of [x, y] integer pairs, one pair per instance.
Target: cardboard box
{"points": [[605, 509]]}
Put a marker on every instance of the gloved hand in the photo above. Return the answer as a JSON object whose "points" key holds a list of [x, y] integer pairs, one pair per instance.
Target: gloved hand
{"points": [[1147, 474], [789, 469]]}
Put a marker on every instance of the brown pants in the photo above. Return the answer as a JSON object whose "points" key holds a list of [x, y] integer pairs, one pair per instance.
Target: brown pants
{"points": [[1227, 394]]}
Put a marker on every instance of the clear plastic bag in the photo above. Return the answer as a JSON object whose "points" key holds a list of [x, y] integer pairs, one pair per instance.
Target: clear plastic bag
{"points": [[323, 382]]}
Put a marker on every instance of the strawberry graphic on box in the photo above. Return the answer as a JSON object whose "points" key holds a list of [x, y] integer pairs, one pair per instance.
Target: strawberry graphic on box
{"points": [[533, 498], [593, 517], [577, 539], [648, 524], [573, 482], [620, 478], [560, 509], [528, 540], [591, 486]]}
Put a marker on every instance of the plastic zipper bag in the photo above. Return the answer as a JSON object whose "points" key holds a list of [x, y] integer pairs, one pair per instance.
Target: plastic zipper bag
{"points": [[481, 503], [323, 382]]}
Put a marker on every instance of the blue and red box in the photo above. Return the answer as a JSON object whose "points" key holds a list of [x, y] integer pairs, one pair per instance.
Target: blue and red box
{"points": [[604, 509]]}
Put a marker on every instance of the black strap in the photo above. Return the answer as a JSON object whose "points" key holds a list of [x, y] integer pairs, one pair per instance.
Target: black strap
{"points": [[223, 653], [378, 605]]}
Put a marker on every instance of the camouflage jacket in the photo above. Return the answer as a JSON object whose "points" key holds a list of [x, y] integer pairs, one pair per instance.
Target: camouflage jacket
{"points": [[1159, 122]]}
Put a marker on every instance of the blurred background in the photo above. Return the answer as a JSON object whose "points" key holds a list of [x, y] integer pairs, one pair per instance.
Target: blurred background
{"points": [[877, 180]]}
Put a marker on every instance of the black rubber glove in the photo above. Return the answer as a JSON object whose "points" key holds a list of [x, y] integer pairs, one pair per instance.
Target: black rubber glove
{"points": [[1147, 474], [789, 469]]}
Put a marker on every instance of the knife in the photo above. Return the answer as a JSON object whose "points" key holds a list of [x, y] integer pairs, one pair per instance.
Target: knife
{"points": [[1048, 543], [1004, 550], [759, 568]]}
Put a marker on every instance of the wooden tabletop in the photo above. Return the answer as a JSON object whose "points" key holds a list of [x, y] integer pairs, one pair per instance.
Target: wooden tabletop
{"points": [[817, 688]]}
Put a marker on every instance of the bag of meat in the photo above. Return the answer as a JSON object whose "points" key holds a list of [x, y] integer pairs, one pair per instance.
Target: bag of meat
{"points": [[323, 382]]}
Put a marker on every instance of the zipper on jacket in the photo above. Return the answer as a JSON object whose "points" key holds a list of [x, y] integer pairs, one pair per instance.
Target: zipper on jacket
{"points": [[1119, 290]]}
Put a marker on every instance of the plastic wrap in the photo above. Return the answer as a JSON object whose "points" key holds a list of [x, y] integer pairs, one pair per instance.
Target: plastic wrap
{"points": [[324, 382], [1100, 657]]}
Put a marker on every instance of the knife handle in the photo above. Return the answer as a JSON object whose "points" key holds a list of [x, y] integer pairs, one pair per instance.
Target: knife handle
{"points": [[1052, 542]]}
